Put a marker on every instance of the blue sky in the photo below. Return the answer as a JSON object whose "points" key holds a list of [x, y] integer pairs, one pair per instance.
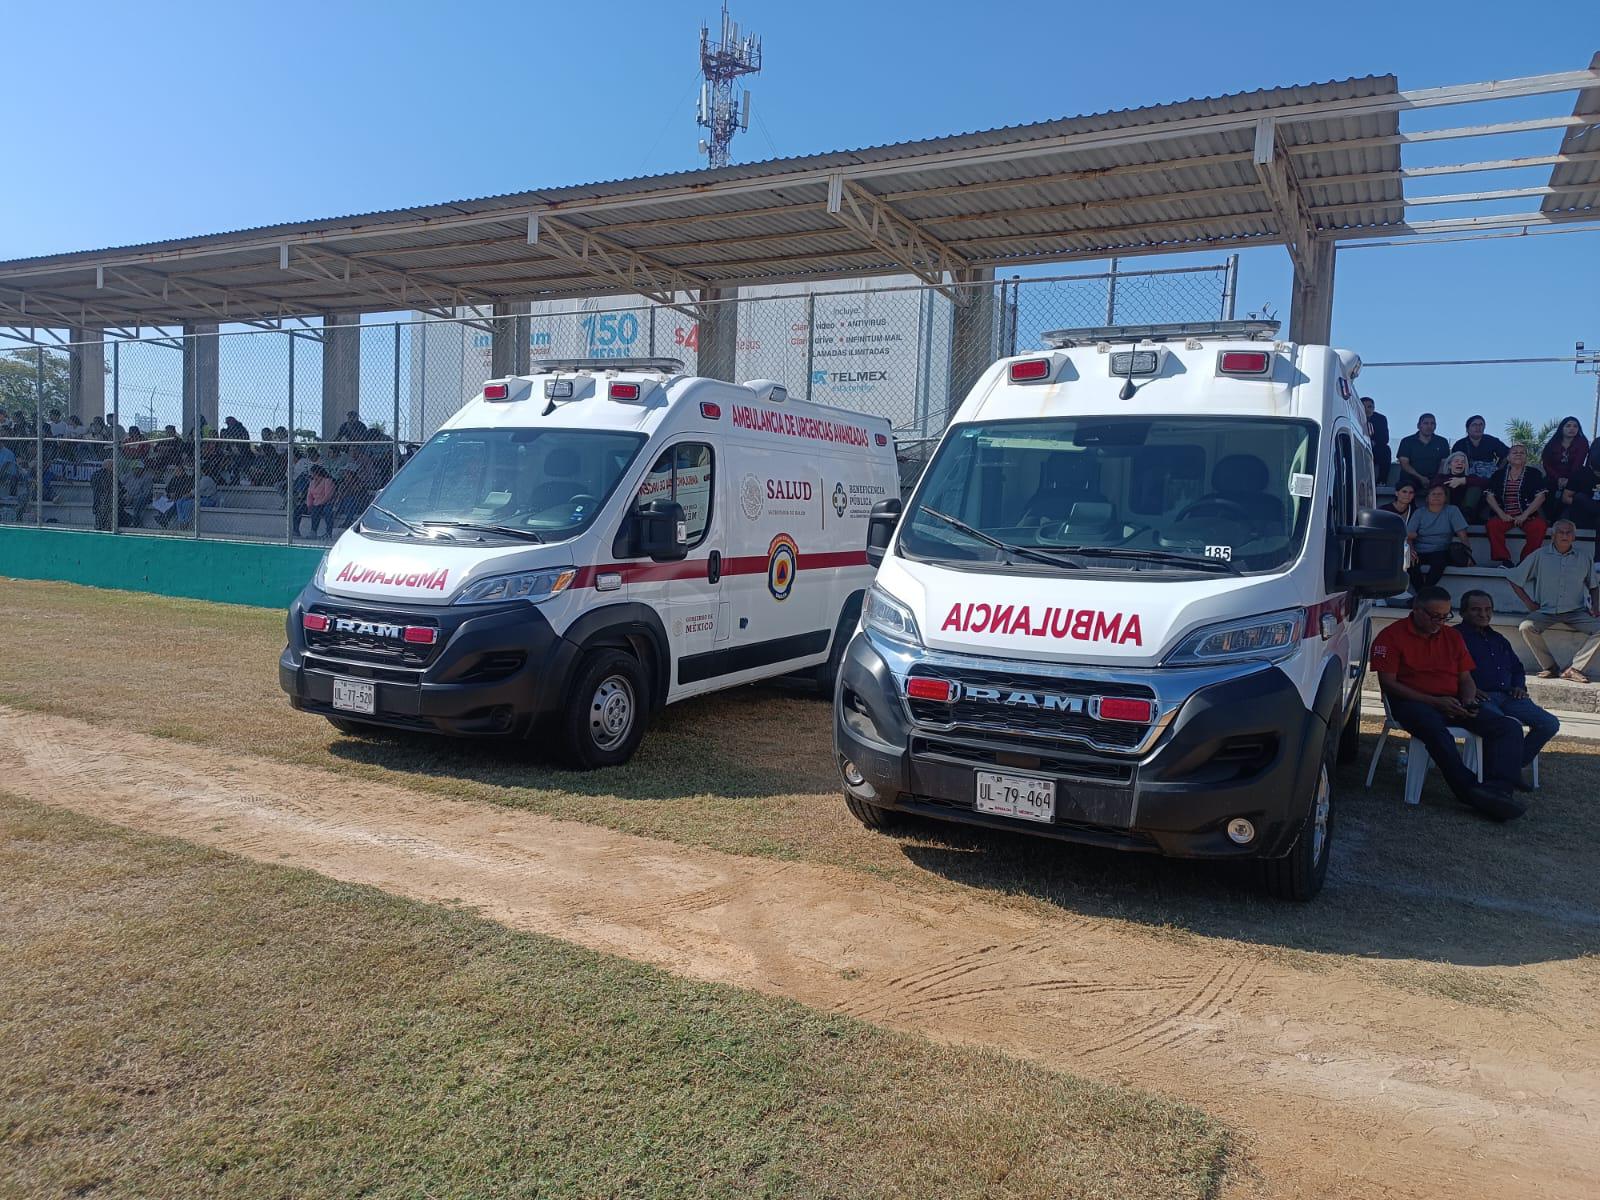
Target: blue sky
{"points": [[159, 120]]}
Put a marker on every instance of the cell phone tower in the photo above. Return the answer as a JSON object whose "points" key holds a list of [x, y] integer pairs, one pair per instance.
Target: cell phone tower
{"points": [[721, 111]]}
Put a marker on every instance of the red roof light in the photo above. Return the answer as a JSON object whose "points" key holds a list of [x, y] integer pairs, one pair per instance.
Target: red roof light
{"points": [[710, 411], [1244, 362], [880, 439], [496, 391], [1030, 370], [920, 687], [624, 391]]}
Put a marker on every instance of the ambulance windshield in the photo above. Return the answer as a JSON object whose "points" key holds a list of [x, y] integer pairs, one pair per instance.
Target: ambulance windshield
{"points": [[539, 484], [1117, 493]]}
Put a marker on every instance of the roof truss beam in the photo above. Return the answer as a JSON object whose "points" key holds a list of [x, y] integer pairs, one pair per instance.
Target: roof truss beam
{"points": [[630, 270], [1282, 187], [895, 235]]}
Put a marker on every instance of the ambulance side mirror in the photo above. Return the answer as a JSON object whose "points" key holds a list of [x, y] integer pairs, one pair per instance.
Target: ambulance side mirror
{"points": [[880, 528], [1377, 544], [660, 530]]}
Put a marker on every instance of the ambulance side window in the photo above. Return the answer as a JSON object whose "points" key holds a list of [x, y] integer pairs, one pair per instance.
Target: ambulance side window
{"points": [[685, 473], [1342, 505]]}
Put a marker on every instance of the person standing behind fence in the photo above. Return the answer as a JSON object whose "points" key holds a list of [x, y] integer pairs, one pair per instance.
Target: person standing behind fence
{"points": [[1564, 454], [319, 502], [1434, 533], [1561, 579], [1515, 496], [1378, 431]]}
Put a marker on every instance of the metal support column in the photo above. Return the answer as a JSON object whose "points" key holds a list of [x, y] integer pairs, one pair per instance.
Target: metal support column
{"points": [[1230, 287], [972, 335], [116, 440], [1111, 295], [394, 430], [811, 341], [341, 371], [509, 348], [1311, 312], [719, 335], [288, 454], [38, 437], [86, 374], [201, 374]]}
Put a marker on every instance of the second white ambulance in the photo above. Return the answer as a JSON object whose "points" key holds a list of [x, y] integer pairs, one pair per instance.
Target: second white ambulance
{"points": [[1127, 602], [578, 547]]}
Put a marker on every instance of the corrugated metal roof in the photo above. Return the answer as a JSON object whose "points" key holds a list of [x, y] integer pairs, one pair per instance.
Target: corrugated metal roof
{"points": [[1584, 174], [1135, 181]]}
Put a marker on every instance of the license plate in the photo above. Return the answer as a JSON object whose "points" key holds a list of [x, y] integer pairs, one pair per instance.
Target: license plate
{"points": [[355, 695], [1017, 796]]}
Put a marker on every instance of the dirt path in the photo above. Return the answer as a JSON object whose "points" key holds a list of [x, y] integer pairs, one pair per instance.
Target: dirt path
{"points": [[1342, 1087]]}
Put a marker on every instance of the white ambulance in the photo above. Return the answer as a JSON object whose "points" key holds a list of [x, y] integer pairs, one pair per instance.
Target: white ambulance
{"points": [[576, 548], [1127, 602]]}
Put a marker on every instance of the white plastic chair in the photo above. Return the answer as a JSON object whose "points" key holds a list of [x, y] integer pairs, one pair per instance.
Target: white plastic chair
{"points": [[1418, 760]]}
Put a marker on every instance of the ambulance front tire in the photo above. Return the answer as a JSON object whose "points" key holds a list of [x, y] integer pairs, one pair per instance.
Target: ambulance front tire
{"points": [[1299, 875], [355, 728], [606, 712], [880, 819]]}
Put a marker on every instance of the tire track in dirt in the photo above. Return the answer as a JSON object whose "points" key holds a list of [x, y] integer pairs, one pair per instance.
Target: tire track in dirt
{"points": [[1341, 1086]]}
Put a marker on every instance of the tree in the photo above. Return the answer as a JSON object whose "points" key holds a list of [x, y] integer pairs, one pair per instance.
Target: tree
{"points": [[1520, 432], [19, 381]]}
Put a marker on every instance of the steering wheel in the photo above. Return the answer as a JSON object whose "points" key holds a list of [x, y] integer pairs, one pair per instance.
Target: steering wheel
{"points": [[1221, 505], [582, 500]]}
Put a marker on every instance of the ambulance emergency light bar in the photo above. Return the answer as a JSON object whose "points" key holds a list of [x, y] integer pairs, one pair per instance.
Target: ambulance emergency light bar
{"points": [[1250, 331], [671, 366]]}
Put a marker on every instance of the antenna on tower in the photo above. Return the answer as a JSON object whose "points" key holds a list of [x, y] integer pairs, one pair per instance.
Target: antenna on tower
{"points": [[722, 111]]}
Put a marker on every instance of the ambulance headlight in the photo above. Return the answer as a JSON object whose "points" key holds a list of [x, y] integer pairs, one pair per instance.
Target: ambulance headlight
{"points": [[532, 586], [885, 615], [1270, 637]]}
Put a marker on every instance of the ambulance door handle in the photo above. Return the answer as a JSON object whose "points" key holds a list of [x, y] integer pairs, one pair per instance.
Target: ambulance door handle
{"points": [[714, 566]]}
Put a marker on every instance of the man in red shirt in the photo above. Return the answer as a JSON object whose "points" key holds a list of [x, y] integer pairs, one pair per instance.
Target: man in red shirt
{"points": [[1426, 674]]}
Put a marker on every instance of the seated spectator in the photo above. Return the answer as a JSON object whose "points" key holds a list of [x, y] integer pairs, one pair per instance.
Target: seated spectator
{"points": [[1580, 499], [1484, 452], [1464, 490], [1433, 533], [180, 491], [1378, 431], [1515, 496], [1422, 454], [138, 486], [1426, 675], [1501, 681], [1560, 578], [1405, 499], [319, 503], [1565, 452], [206, 492]]}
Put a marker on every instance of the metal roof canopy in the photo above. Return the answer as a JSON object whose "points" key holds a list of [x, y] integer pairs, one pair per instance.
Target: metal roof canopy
{"points": [[1301, 166]]}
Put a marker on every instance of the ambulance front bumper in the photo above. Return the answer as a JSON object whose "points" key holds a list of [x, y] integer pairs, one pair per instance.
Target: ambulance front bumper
{"points": [[1228, 742], [491, 670]]}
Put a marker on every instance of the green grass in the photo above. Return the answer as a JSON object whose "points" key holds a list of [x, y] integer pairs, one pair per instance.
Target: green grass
{"points": [[178, 1022], [750, 772]]}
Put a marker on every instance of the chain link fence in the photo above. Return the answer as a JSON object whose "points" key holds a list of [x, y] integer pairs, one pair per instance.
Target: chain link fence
{"points": [[286, 434]]}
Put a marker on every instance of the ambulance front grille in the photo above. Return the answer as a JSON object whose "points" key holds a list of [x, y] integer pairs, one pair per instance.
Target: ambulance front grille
{"points": [[1026, 721]]}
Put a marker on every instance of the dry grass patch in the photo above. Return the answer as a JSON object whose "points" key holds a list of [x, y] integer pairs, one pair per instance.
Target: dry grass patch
{"points": [[179, 1022], [750, 772]]}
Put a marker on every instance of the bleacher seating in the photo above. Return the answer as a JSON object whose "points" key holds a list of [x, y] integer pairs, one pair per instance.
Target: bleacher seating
{"points": [[251, 513]]}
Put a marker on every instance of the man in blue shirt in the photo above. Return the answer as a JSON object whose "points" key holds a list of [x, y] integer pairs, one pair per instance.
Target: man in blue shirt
{"points": [[1499, 674]]}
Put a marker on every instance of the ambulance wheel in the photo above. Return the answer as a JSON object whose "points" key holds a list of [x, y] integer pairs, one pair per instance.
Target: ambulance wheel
{"points": [[606, 710], [1350, 738], [1299, 875], [355, 728], [873, 817], [828, 672]]}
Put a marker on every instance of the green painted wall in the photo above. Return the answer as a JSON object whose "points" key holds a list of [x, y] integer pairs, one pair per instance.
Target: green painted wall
{"points": [[231, 572]]}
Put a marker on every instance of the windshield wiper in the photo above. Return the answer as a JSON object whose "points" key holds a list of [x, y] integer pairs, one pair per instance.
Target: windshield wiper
{"points": [[1163, 556], [398, 520], [506, 530], [1045, 556]]}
